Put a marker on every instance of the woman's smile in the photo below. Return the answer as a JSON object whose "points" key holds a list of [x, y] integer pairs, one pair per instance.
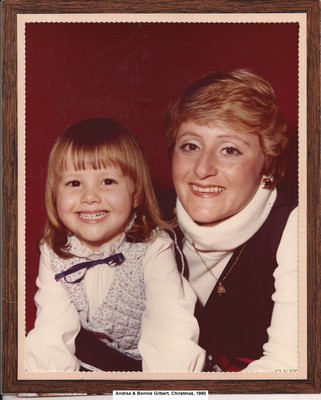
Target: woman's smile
{"points": [[199, 189]]}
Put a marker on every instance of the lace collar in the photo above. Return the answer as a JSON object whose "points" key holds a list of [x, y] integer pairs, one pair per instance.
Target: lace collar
{"points": [[79, 249]]}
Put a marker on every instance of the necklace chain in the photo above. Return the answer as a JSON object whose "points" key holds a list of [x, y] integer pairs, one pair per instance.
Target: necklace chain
{"points": [[221, 288]]}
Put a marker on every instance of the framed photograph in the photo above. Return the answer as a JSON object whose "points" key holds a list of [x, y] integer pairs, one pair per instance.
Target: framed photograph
{"points": [[65, 62]]}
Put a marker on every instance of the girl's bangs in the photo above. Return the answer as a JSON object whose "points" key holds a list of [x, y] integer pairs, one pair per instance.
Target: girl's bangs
{"points": [[95, 158]]}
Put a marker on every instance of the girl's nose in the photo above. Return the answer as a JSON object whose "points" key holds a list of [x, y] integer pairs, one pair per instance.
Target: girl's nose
{"points": [[206, 165], [90, 195]]}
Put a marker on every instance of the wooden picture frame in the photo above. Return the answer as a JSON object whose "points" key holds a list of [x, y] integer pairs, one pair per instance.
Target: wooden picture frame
{"points": [[11, 285]]}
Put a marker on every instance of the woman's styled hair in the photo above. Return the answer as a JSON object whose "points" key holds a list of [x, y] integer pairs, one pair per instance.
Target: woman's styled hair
{"points": [[241, 100], [100, 143]]}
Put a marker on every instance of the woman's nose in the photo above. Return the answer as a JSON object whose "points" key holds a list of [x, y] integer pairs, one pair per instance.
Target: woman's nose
{"points": [[90, 195], [206, 165]]}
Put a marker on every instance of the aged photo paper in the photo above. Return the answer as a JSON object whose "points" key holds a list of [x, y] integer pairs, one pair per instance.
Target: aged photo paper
{"points": [[44, 108]]}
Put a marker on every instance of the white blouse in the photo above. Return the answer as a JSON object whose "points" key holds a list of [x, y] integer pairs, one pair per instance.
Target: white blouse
{"points": [[216, 245], [169, 332]]}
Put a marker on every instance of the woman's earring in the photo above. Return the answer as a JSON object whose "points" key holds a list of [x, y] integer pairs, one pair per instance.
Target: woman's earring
{"points": [[267, 183]]}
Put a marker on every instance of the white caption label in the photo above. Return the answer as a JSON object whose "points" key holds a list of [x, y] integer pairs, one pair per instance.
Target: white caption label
{"points": [[160, 394]]}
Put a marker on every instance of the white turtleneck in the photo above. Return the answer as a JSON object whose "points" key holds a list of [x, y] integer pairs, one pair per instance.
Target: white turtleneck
{"points": [[216, 244]]}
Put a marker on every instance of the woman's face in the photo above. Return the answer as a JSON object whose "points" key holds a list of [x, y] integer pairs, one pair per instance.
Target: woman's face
{"points": [[216, 170]]}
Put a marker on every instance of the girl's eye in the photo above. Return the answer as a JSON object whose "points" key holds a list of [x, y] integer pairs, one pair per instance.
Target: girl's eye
{"points": [[231, 151], [74, 183], [109, 181], [189, 147]]}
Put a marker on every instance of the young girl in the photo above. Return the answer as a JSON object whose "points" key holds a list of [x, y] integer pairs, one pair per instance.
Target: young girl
{"points": [[110, 297]]}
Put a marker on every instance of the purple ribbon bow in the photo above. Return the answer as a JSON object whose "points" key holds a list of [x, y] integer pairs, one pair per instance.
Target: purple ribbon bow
{"points": [[112, 261]]}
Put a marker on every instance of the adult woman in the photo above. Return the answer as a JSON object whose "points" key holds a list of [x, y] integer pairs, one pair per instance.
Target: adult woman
{"points": [[227, 137]]}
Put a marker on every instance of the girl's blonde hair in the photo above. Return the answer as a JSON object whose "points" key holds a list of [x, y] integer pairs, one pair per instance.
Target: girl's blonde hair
{"points": [[98, 144], [240, 99]]}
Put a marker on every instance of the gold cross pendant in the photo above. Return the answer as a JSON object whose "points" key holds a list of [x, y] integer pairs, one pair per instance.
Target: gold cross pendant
{"points": [[221, 289]]}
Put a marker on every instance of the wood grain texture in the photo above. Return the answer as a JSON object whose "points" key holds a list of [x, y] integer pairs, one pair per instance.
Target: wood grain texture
{"points": [[155, 6], [10, 9]]}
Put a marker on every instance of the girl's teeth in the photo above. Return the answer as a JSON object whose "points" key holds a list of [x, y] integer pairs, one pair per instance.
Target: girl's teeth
{"points": [[212, 189], [92, 215]]}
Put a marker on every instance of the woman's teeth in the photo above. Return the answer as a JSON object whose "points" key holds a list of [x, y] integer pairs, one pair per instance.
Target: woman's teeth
{"points": [[211, 189]]}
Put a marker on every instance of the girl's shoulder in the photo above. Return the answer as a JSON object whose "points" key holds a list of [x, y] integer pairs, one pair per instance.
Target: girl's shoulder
{"points": [[158, 237], [48, 253], [45, 249], [165, 239], [162, 235]]}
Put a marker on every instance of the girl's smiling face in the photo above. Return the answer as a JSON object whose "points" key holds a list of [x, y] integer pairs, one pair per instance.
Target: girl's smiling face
{"points": [[216, 170], [95, 205]]}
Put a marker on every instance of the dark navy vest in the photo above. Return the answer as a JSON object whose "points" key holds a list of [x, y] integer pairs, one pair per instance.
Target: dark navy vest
{"points": [[234, 325]]}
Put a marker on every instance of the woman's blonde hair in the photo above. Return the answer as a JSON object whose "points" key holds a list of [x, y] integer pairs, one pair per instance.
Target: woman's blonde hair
{"points": [[100, 143], [240, 99]]}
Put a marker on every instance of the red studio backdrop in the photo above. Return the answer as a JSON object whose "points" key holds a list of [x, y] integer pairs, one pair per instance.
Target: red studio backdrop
{"points": [[130, 72]]}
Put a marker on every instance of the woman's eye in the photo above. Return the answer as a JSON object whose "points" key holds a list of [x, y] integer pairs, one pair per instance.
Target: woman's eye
{"points": [[189, 147], [73, 183], [109, 181], [231, 151]]}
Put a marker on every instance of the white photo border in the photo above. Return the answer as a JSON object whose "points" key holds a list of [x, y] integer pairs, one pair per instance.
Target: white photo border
{"points": [[22, 20]]}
